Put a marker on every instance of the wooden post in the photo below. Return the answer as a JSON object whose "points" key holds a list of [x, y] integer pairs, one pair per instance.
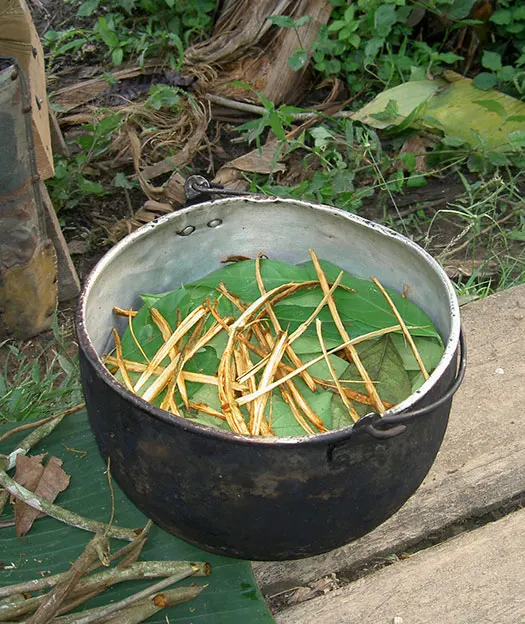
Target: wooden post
{"points": [[19, 40]]}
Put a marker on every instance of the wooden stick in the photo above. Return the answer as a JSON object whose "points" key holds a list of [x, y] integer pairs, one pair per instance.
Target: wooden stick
{"points": [[350, 349], [404, 328]]}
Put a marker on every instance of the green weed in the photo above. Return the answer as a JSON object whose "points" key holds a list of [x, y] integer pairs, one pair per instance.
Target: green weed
{"points": [[35, 387]]}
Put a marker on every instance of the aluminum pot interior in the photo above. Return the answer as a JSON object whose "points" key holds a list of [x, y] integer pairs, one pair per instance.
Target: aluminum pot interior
{"points": [[191, 243]]}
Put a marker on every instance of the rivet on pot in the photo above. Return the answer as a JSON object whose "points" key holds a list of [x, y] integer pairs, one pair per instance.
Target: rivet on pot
{"points": [[214, 223], [189, 229]]}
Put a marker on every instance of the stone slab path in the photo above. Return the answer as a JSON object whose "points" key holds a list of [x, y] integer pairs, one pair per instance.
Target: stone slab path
{"points": [[481, 465]]}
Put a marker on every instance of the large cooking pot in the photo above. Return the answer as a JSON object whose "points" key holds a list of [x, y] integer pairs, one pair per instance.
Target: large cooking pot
{"points": [[264, 498]]}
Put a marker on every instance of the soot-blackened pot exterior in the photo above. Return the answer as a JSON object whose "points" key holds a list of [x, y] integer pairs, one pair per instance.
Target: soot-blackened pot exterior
{"points": [[258, 500]]}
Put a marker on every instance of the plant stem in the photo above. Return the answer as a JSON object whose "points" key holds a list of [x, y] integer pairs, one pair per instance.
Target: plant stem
{"points": [[59, 513], [143, 609], [39, 434], [53, 601], [97, 583], [102, 613]]}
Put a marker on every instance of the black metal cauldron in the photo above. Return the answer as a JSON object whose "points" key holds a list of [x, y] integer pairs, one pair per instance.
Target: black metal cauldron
{"points": [[263, 498]]}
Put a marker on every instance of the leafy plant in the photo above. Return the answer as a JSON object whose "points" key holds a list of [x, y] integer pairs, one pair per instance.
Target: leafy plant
{"points": [[299, 58], [32, 387], [135, 28]]}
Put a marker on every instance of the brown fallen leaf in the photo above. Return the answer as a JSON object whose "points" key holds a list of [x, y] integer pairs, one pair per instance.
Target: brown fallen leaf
{"points": [[418, 145], [45, 481]]}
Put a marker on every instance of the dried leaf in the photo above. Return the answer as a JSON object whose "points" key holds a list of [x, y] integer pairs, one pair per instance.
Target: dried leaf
{"points": [[46, 481]]}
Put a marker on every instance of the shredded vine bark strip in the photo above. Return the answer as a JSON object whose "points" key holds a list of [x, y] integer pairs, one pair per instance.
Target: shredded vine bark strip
{"points": [[121, 312], [184, 327], [348, 404], [374, 334], [295, 359], [350, 349], [406, 333], [132, 332], [266, 378], [120, 362]]}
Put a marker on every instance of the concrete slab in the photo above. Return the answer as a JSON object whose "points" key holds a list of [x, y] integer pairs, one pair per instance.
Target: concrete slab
{"points": [[481, 464], [474, 578]]}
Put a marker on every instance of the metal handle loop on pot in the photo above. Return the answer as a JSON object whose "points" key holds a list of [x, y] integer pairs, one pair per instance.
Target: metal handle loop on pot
{"points": [[198, 189], [369, 422]]}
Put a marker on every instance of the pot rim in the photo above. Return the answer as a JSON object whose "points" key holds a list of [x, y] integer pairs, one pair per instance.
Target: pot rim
{"points": [[332, 437]]}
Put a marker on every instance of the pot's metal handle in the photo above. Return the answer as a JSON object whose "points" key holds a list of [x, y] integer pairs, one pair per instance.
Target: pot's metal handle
{"points": [[198, 189], [380, 426]]}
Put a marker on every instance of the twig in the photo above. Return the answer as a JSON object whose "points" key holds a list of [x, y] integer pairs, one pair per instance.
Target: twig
{"points": [[52, 602], [142, 609], [404, 328], [39, 434], [260, 110], [59, 513], [98, 582], [446, 254], [104, 612], [51, 581], [351, 350], [36, 423]]}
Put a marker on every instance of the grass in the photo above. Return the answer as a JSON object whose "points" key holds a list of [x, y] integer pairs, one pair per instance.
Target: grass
{"points": [[36, 386]]}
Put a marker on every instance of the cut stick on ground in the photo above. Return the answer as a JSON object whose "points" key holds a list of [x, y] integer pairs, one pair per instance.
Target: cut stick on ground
{"points": [[295, 359], [52, 602], [105, 612], [34, 438], [374, 334], [350, 349], [404, 328], [100, 581], [348, 404], [120, 362], [50, 581], [43, 421], [141, 610]]}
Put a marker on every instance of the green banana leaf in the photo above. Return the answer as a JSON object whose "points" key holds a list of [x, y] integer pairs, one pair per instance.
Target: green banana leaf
{"points": [[453, 106], [231, 595]]}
